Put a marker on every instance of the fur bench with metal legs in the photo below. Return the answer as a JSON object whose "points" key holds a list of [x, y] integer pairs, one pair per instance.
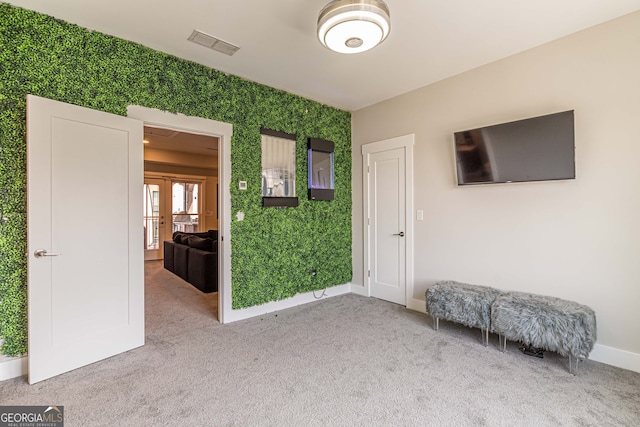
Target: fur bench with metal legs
{"points": [[462, 303], [553, 324]]}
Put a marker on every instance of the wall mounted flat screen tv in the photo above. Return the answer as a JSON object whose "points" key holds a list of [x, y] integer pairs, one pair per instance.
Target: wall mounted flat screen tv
{"points": [[536, 149]]}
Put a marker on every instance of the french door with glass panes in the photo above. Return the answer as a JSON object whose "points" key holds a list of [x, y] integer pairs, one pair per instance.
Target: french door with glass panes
{"points": [[170, 205], [186, 205], [155, 219]]}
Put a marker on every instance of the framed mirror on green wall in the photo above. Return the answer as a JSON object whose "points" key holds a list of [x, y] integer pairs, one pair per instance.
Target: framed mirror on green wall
{"points": [[278, 169]]}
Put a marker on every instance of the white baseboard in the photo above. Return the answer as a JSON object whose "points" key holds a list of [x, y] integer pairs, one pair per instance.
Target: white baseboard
{"points": [[296, 300], [417, 305], [412, 304], [13, 368], [616, 357], [359, 290]]}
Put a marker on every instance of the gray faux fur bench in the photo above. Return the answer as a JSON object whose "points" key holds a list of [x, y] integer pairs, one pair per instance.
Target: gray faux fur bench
{"points": [[462, 303], [554, 324]]}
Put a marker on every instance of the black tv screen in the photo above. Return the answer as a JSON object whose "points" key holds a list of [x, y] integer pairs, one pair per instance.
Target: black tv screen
{"points": [[536, 149]]}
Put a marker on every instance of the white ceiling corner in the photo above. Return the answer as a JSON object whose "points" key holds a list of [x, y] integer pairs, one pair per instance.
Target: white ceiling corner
{"points": [[430, 40]]}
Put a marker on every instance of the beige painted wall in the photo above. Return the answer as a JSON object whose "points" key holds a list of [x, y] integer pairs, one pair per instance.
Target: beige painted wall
{"points": [[578, 239], [211, 205]]}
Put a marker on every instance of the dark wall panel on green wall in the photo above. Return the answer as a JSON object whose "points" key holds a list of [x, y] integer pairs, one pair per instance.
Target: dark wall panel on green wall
{"points": [[273, 249]]}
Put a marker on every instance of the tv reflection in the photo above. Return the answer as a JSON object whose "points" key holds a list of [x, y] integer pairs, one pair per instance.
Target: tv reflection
{"points": [[474, 164]]}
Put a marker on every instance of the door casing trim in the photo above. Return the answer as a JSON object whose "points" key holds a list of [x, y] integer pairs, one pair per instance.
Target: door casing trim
{"points": [[224, 131]]}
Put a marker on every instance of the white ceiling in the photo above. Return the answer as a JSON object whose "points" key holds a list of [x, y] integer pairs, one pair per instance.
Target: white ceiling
{"points": [[173, 140], [430, 40]]}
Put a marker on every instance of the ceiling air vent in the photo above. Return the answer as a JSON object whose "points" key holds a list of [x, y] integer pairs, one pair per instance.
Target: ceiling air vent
{"points": [[164, 133], [213, 43]]}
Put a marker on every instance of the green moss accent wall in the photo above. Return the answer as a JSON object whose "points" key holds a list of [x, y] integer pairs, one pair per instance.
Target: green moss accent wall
{"points": [[273, 249]]}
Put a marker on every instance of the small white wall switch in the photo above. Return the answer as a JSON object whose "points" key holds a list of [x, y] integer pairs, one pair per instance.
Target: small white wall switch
{"points": [[242, 185], [420, 215], [240, 216]]}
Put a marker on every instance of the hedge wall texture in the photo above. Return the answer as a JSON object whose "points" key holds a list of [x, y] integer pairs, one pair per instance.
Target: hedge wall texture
{"points": [[273, 249]]}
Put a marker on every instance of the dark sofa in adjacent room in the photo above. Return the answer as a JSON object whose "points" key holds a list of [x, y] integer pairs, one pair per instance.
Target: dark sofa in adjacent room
{"points": [[194, 258]]}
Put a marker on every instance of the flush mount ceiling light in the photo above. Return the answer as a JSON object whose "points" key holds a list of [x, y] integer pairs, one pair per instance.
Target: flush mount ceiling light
{"points": [[353, 26]]}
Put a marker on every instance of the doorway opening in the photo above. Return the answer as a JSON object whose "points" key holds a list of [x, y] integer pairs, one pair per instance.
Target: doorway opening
{"points": [[223, 131], [181, 199]]}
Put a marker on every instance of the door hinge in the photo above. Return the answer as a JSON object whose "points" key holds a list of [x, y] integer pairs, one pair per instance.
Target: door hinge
{"points": [[369, 273]]}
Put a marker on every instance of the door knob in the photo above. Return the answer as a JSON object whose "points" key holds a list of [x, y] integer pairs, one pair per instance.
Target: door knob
{"points": [[401, 234], [39, 253]]}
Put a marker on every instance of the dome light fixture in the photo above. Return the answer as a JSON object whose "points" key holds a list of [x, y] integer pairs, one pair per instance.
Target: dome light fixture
{"points": [[353, 26]]}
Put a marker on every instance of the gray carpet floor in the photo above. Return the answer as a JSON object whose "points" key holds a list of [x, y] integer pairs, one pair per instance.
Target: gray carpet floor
{"points": [[342, 361]]}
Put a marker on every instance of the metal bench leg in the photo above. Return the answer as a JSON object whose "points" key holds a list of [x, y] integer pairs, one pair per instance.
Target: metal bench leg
{"points": [[436, 323], [502, 342], [571, 369]]}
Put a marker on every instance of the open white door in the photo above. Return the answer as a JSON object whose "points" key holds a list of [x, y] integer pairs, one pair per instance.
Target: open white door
{"points": [[85, 236]]}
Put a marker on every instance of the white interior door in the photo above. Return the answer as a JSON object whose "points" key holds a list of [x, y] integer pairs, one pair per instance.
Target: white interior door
{"points": [[387, 228], [155, 218], [388, 225], [86, 289]]}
